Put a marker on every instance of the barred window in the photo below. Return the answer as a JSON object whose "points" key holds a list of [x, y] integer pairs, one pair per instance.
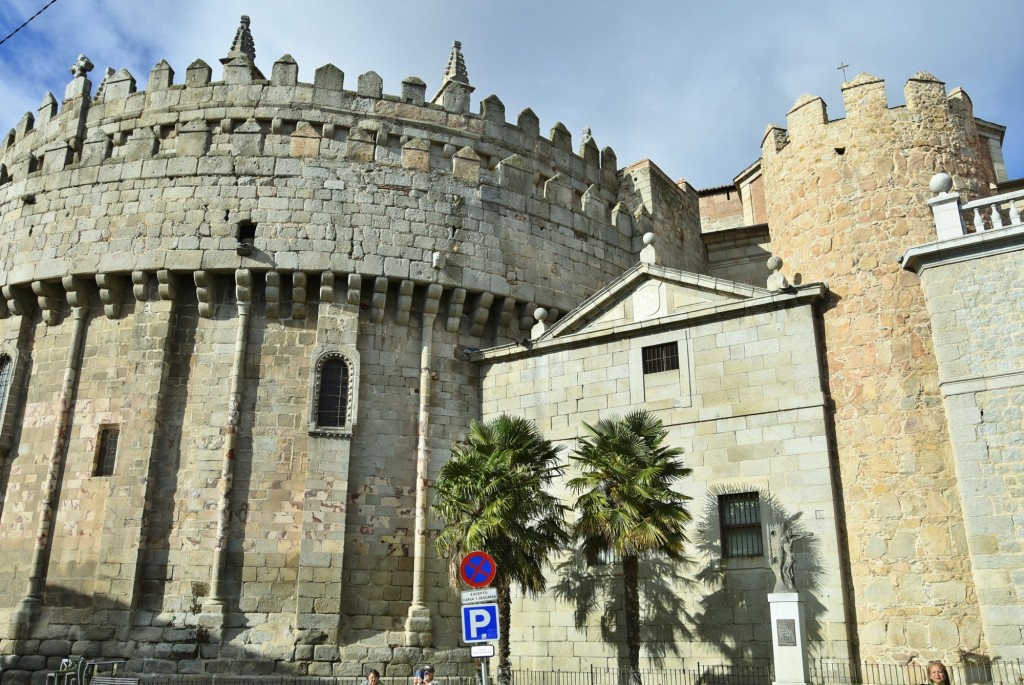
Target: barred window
{"points": [[106, 455], [740, 518], [658, 358], [6, 370], [332, 394]]}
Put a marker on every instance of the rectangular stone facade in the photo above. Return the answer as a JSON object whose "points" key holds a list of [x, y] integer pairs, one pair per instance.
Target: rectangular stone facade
{"points": [[747, 407]]}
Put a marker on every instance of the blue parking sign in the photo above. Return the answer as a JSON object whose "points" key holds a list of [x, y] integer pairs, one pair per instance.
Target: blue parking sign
{"points": [[479, 622]]}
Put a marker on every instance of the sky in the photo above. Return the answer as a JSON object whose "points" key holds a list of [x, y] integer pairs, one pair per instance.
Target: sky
{"points": [[689, 85]]}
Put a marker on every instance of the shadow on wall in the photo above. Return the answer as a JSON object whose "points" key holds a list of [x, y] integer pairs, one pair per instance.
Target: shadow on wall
{"points": [[729, 598], [73, 623], [598, 588], [733, 612]]}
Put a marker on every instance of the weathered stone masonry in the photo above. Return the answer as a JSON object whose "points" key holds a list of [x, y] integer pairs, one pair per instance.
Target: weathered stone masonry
{"points": [[215, 238], [181, 264]]}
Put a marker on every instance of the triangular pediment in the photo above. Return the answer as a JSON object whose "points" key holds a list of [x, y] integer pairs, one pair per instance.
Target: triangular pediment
{"points": [[648, 292]]}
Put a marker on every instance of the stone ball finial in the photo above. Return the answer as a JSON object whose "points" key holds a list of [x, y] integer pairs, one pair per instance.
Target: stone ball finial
{"points": [[774, 263], [540, 314], [941, 183], [648, 238]]}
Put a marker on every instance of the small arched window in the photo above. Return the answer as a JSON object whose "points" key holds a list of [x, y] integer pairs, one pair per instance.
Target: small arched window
{"points": [[6, 371], [332, 393], [10, 394], [106, 451]]}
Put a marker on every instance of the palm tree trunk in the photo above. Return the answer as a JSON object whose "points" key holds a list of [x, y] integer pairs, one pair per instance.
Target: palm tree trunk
{"points": [[631, 601], [504, 625]]}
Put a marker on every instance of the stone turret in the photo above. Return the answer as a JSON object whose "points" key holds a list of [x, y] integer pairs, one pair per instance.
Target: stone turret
{"points": [[844, 199]]}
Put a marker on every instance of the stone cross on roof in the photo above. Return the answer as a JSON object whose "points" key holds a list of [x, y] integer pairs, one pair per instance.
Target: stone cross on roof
{"points": [[81, 67]]}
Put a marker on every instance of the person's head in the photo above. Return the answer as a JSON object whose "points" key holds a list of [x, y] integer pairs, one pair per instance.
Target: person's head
{"points": [[937, 673], [372, 676], [428, 673]]}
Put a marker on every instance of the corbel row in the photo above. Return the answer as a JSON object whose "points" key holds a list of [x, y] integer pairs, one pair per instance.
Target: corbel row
{"points": [[53, 297]]}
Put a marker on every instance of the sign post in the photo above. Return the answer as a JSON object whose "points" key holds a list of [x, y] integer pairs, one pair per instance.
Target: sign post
{"points": [[479, 610]]}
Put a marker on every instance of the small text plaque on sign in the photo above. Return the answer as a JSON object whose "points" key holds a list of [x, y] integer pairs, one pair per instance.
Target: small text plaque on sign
{"points": [[786, 629], [488, 594], [481, 651]]}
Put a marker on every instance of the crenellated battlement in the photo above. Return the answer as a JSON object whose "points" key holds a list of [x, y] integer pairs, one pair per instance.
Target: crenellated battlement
{"points": [[279, 105], [119, 179], [814, 148], [928, 107]]}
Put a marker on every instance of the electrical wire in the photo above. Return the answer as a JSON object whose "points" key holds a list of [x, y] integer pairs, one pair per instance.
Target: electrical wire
{"points": [[9, 35]]}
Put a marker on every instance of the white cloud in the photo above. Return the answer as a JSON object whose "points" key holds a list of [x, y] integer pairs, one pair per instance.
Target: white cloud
{"points": [[690, 85]]}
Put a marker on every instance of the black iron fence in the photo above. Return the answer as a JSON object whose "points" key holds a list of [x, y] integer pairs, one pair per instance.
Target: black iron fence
{"points": [[822, 672], [700, 674], [996, 672]]}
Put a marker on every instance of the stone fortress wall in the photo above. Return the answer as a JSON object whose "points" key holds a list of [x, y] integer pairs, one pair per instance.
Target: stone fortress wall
{"points": [[179, 262], [175, 263], [844, 199]]}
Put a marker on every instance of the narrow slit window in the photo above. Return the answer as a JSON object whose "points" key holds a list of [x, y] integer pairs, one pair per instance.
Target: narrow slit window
{"points": [[332, 398], [658, 358], [740, 518], [106, 455]]}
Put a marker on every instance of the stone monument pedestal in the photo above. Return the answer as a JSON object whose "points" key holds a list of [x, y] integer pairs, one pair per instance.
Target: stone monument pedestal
{"points": [[789, 643]]}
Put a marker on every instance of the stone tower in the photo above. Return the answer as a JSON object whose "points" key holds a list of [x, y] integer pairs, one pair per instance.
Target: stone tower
{"points": [[845, 198], [233, 340]]}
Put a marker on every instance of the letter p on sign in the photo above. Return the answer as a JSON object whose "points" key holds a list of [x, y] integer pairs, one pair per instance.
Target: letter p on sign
{"points": [[479, 622]]}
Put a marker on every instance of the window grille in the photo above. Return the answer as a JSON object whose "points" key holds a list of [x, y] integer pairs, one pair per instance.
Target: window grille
{"points": [[332, 395], [740, 518], [658, 358], [107, 453]]}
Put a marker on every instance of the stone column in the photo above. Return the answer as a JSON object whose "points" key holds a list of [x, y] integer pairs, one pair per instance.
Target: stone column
{"points": [[28, 609], [789, 643], [213, 608], [418, 626]]}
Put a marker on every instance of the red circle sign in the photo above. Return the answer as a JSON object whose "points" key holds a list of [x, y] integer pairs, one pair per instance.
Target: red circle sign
{"points": [[478, 569]]}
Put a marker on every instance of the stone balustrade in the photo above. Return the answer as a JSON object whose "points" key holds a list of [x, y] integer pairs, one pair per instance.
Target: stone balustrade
{"points": [[953, 219]]}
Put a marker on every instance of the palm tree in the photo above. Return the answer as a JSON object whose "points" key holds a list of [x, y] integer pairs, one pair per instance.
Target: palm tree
{"points": [[492, 496], [626, 507]]}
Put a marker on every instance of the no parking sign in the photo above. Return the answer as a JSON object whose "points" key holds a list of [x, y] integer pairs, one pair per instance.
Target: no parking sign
{"points": [[478, 569]]}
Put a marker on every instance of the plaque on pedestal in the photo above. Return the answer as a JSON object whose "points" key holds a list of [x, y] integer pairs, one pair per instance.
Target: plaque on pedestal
{"points": [[788, 639]]}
